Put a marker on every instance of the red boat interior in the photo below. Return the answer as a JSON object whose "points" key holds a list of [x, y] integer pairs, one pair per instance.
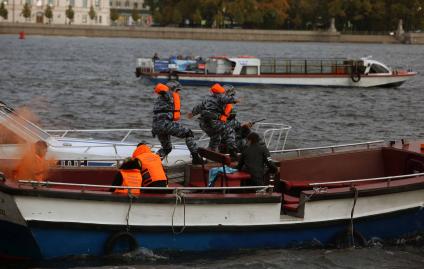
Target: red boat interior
{"points": [[295, 175]]}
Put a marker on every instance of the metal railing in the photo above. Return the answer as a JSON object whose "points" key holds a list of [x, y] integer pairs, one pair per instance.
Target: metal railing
{"points": [[332, 148], [35, 184], [388, 179]]}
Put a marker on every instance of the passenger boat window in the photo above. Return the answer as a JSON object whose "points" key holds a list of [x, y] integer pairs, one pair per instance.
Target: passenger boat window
{"points": [[249, 70], [9, 137], [376, 68]]}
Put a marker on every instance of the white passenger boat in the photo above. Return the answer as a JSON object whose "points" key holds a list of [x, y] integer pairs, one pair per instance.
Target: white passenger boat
{"points": [[248, 70], [16, 133]]}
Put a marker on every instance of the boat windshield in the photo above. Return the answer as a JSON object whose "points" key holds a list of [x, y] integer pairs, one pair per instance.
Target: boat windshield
{"points": [[15, 128], [377, 69]]}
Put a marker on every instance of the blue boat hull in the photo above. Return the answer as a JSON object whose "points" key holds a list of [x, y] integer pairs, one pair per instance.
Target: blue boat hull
{"points": [[63, 239]]}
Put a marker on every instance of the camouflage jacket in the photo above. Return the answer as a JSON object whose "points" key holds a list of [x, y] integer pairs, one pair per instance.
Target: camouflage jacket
{"points": [[212, 106], [163, 107]]}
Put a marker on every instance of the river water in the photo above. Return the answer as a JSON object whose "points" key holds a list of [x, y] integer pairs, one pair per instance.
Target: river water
{"points": [[76, 82]]}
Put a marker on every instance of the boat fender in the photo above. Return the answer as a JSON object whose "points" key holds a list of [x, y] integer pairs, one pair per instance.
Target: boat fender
{"points": [[173, 76], [114, 240], [344, 239], [356, 76]]}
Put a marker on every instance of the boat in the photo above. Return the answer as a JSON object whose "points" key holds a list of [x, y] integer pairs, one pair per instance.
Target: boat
{"points": [[250, 70], [327, 199], [77, 147]]}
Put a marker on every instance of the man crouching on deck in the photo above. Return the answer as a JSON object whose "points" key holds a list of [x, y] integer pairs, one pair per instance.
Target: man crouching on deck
{"points": [[144, 169]]}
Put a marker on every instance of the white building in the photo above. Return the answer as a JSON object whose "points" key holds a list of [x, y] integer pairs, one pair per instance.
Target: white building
{"points": [[59, 7], [124, 9]]}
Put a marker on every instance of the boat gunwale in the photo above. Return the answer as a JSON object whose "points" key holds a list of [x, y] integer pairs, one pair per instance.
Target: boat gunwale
{"points": [[297, 223], [279, 75], [160, 198]]}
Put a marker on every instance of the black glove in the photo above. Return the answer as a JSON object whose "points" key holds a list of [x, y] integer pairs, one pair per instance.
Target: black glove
{"points": [[190, 133]]}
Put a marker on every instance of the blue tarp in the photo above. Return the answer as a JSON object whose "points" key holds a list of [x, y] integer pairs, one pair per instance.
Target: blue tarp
{"points": [[213, 174]]}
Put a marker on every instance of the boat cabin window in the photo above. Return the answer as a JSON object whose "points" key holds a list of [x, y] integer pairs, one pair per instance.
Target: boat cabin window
{"points": [[376, 69], [249, 70], [9, 137]]}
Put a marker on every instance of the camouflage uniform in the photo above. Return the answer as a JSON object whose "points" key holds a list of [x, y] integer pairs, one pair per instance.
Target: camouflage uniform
{"points": [[164, 126], [209, 110], [240, 131]]}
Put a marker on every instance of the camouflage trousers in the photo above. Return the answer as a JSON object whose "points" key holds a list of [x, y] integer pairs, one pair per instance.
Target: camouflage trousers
{"points": [[219, 132], [165, 129]]}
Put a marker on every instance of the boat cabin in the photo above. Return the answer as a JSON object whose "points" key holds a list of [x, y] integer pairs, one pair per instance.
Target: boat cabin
{"points": [[242, 65]]}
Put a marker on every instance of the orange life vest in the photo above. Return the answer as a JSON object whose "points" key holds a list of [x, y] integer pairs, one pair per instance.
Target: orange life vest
{"points": [[151, 165], [130, 178], [32, 167], [226, 113], [177, 106]]}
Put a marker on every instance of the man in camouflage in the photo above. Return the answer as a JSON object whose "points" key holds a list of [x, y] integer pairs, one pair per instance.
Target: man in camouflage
{"points": [[166, 122], [210, 110], [241, 130]]}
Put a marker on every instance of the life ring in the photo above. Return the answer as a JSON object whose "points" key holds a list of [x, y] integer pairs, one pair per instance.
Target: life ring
{"points": [[115, 239], [344, 239], [173, 76], [355, 76]]}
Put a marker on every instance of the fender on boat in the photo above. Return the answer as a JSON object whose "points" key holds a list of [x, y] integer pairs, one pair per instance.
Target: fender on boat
{"points": [[355, 76], [116, 239]]}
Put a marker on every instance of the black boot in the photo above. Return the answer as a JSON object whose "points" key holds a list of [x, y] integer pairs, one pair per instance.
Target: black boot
{"points": [[197, 159]]}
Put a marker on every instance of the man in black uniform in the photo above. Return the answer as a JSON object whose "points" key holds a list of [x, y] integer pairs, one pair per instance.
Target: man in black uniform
{"points": [[253, 160]]}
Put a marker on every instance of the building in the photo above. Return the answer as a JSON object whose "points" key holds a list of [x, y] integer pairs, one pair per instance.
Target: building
{"points": [[125, 8], [81, 10]]}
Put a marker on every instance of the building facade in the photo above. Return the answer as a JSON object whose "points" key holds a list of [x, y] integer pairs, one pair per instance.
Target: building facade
{"points": [[125, 8], [81, 10]]}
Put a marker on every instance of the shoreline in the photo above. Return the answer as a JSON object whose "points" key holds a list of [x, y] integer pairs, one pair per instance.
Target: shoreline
{"points": [[206, 34]]}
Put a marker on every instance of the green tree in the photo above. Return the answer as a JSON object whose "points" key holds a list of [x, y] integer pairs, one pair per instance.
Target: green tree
{"points": [[26, 11], [92, 13], [3, 11], [48, 12], [196, 18], [135, 15], [114, 15], [70, 14]]}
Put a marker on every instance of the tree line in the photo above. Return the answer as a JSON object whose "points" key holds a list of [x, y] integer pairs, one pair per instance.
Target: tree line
{"points": [[350, 15]]}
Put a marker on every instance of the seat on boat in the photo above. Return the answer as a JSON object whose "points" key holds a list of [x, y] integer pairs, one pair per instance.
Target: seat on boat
{"points": [[298, 174], [83, 175], [226, 179]]}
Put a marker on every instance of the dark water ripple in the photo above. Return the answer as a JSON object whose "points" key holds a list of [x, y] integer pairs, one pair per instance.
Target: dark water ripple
{"points": [[90, 83]]}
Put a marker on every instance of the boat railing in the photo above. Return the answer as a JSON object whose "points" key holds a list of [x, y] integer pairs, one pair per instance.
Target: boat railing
{"points": [[274, 134], [332, 148], [139, 133], [353, 181], [36, 184]]}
